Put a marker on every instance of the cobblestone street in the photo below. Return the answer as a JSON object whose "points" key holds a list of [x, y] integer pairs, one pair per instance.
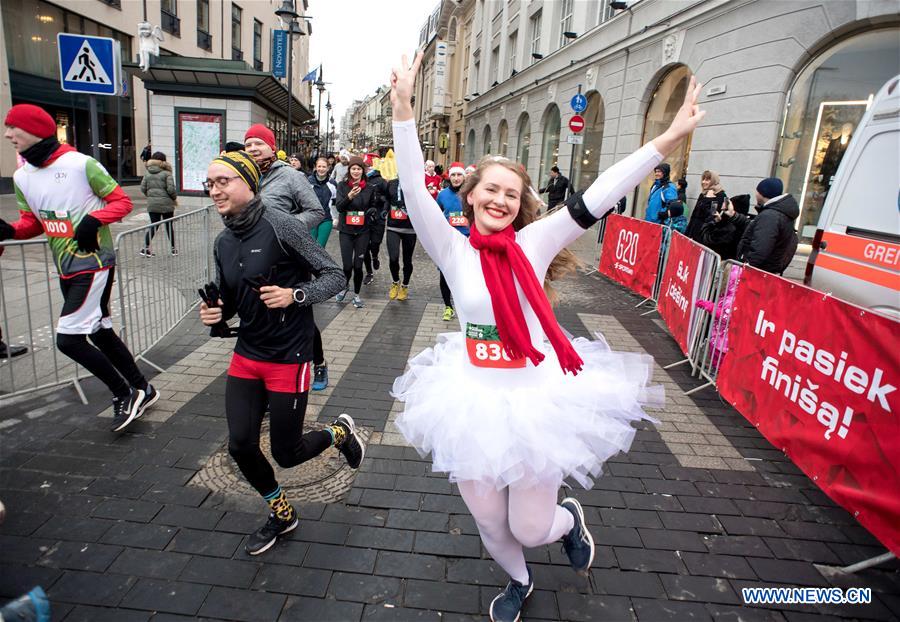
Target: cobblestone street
{"points": [[150, 524]]}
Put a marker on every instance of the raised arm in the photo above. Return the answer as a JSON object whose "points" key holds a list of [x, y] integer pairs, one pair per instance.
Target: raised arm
{"points": [[548, 236], [432, 229]]}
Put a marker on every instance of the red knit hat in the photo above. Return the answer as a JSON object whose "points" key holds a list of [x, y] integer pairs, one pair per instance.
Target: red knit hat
{"points": [[33, 119], [261, 132]]}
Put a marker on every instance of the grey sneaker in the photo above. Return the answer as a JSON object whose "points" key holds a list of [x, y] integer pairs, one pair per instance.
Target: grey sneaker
{"points": [[358, 303], [340, 296]]}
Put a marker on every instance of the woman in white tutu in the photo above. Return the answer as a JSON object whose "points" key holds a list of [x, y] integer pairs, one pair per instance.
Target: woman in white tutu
{"points": [[506, 414]]}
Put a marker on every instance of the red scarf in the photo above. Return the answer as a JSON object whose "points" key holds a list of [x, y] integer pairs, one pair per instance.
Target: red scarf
{"points": [[503, 263], [361, 184]]}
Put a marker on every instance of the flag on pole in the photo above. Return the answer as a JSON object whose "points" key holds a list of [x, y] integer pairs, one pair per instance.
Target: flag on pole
{"points": [[311, 76]]}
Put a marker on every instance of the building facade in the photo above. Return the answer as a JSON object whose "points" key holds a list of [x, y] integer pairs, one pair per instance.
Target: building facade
{"points": [[205, 36], [784, 84]]}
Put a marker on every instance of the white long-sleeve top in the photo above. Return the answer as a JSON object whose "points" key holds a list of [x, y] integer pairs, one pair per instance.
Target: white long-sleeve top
{"points": [[541, 241]]}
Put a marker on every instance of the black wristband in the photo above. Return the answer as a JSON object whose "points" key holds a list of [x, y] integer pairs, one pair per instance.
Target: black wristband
{"points": [[579, 211]]}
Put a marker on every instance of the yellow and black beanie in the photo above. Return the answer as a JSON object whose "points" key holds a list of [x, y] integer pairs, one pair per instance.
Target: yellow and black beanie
{"points": [[243, 164]]}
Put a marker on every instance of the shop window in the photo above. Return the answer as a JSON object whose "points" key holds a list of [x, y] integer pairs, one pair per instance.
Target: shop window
{"points": [[824, 106], [587, 155], [549, 141], [523, 146], [503, 139], [664, 104]]}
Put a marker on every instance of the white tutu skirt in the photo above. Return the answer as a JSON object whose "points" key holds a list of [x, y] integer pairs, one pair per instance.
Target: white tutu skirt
{"points": [[523, 427]]}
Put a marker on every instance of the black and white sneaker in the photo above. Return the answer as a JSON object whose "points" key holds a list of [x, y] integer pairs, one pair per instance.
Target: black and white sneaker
{"points": [[507, 605], [369, 279], [262, 539], [125, 409], [151, 395], [578, 544], [353, 448]]}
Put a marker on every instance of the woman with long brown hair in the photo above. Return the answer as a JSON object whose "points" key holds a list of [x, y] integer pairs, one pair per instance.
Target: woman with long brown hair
{"points": [[508, 416]]}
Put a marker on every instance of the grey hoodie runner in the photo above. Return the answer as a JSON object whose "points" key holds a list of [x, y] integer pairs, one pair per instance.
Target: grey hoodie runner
{"points": [[288, 190]]}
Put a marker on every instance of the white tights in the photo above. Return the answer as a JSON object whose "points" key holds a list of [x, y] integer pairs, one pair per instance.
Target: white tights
{"points": [[513, 518]]}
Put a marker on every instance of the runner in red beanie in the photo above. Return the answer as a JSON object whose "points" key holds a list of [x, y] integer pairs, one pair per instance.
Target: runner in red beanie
{"points": [[261, 132], [33, 119]]}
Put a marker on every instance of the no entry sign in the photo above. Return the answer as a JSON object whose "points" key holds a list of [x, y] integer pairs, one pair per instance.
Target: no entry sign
{"points": [[576, 123]]}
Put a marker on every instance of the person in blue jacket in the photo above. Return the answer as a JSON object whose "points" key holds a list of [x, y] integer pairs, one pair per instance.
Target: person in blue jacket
{"points": [[663, 190], [448, 200]]}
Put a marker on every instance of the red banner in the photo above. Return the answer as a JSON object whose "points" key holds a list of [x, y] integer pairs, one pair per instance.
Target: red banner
{"points": [[630, 253], [819, 378], [677, 291]]}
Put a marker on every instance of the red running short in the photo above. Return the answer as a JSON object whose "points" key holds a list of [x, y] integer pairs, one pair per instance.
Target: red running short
{"points": [[278, 377]]}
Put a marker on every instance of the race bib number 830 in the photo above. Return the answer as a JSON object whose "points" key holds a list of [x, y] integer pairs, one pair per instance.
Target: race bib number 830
{"points": [[485, 349]]}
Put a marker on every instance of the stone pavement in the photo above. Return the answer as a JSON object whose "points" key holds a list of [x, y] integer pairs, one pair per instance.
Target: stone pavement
{"points": [[150, 524]]}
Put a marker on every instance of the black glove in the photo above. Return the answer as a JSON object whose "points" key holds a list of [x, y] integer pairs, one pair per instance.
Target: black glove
{"points": [[6, 230], [86, 234], [210, 295]]}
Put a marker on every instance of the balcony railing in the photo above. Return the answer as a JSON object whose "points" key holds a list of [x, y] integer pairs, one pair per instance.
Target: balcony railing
{"points": [[170, 23], [204, 40]]}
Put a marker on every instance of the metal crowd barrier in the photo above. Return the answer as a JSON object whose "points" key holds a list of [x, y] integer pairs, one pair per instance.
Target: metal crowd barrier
{"points": [[712, 340], [30, 303], [156, 292]]}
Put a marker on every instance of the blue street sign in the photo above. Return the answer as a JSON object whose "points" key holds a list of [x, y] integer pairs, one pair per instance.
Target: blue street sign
{"points": [[89, 64], [579, 103], [279, 53]]}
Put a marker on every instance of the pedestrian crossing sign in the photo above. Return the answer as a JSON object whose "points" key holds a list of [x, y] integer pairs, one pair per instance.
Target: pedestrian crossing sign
{"points": [[89, 64]]}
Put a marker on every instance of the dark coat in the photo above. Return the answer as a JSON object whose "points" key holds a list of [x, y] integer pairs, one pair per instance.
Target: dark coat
{"points": [[363, 202], [703, 211], [768, 236], [556, 190], [159, 187]]}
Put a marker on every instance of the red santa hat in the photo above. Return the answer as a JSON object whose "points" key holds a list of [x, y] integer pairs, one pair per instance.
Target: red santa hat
{"points": [[261, 132], [470, 169], [457, 167]]}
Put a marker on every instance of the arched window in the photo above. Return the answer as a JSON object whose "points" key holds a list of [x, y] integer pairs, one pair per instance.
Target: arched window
{"points": [[666, 100], [587, 155], [503, 139], [470, 147], [824, 107], [523, 147], [549, 141], [486, 143]]}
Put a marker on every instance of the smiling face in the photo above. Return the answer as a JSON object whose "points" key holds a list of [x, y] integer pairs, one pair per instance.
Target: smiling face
{"points": [[496, 199], [657, 174], [321, 167], [234, 197], [258, 149], [20, 139], [704, 183], [356, 172]]}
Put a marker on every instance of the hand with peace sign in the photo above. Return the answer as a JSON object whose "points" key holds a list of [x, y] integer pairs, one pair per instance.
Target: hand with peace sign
{"points": [[685, 121], [403, 79]]}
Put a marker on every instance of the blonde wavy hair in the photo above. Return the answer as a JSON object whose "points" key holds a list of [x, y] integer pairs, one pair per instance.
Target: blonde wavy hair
{"points": [[565, 261]]}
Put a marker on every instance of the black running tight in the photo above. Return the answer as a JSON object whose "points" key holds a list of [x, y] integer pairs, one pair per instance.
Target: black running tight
{"points": [[394, 243], [445, 291], [353, 248], [245, 406], [109, 361]]}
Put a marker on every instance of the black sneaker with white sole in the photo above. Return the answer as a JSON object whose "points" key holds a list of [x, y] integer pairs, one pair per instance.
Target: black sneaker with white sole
{"points": [[578, 544], [507, 605], [125, 409], [151, 396], [263, 538], [352, 446]]}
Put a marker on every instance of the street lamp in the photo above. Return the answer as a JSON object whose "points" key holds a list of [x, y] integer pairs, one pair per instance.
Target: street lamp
{"points": [[320, 86], [286, 13], [327, 133]]}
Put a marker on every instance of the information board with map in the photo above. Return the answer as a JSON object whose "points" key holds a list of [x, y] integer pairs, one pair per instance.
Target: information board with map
{"points": [[199, 141]]}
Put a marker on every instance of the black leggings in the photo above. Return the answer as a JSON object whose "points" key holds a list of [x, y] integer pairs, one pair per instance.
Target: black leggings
{"points": [[376, 235], [353, 248], [245, 406], [394, 242], [110, 361], [445, 291], [318, 351], [167, 222]]}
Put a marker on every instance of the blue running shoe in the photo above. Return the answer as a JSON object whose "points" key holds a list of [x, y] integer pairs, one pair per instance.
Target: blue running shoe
{"points": [[33, 607], [578, 544], [507, 605], [320, 378]]}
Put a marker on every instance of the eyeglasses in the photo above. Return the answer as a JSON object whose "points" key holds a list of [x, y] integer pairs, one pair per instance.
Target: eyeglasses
{"points": [[218, 182]]}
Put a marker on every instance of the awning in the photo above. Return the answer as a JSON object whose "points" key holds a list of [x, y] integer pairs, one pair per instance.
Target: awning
{"points": [[213, 77]]}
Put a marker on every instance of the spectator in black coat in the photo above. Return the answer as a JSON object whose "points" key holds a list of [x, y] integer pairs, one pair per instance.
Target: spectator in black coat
{"points": [[557, 188], [770, 237], [724, 230], [710, 201]]}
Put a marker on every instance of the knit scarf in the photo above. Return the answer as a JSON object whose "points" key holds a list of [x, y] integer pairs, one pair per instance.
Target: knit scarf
{"points": [[504, 263], [246, 219], [265, 165], [39, 153]]}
